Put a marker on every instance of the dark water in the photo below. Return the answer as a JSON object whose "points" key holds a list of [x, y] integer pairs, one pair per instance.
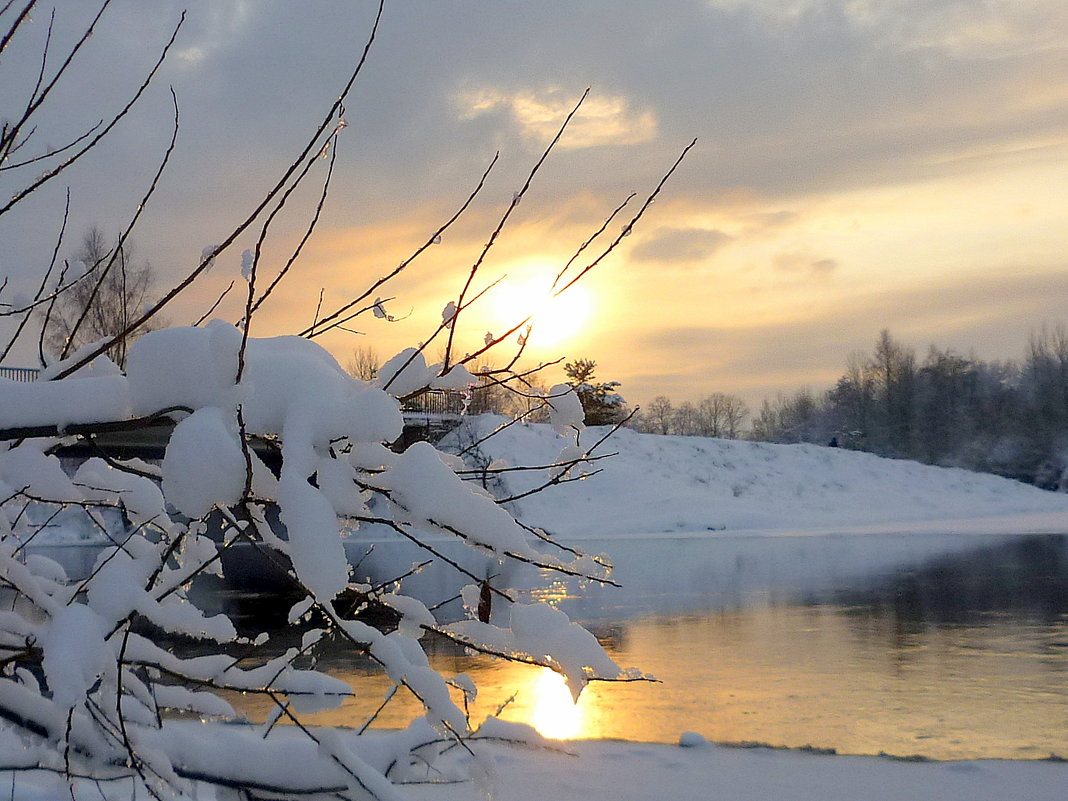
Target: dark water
{"points": [[947, 647]]}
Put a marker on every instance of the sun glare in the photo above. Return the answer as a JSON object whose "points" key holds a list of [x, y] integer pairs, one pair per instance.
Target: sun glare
{"points": [[556, 318], [555, 714]]}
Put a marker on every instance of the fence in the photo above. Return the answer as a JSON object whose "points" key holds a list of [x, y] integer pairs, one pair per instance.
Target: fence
{"points": [[435, 401], [19, 373]]}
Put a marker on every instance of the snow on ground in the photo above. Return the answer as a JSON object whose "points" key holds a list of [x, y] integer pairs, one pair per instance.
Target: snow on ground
{"points": [[602, 770], [708, 487], [662, 484], [616, 771], [698, 484]]}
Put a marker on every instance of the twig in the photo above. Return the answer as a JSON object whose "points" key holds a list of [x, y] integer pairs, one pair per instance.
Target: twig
{"points": [[311, 332], [516, 198], [52, 173], [282, 182], [215, 305]]}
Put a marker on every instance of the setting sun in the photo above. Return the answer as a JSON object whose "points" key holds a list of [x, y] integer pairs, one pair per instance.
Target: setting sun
{"points": [[556, 318]]}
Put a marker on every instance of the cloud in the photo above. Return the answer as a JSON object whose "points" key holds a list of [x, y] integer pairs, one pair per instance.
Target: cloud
{"points": [[991, 316], [964, 29], [767, 221], [796, 100], [680, 245], [804, 263], [602, 120], [210, 31], [961, 28]]}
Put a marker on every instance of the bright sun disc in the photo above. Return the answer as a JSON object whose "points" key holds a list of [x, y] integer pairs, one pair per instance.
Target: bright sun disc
{"points": [[556, 318]]}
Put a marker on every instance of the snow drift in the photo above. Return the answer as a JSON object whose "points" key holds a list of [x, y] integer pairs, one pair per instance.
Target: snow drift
{"points": [[695, 484]]}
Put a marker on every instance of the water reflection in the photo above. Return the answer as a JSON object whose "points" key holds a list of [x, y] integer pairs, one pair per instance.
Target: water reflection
{"points": [[555, 714], [1026, 577], [952, 649]]}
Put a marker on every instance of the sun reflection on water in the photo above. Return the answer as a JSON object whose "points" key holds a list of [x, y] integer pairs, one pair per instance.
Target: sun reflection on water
{"points": [[553, 592], [555, 714]]}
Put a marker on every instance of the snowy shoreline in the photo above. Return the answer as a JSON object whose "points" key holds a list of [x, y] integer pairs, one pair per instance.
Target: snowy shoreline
{"points": [[698, 486], [615, 771], [660, 487], [674, 488]]}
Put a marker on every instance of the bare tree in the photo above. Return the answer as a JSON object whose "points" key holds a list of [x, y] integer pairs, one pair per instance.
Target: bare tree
{"points": [[364, 363], [108, 290], [658, 413], [721, 415], [686, 420]]}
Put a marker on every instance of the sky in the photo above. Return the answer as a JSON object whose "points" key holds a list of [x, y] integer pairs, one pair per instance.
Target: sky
{"points": [[860, 165]]}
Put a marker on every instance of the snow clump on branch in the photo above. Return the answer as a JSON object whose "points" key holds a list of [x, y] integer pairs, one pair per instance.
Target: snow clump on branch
{"points": [[103, 673]]}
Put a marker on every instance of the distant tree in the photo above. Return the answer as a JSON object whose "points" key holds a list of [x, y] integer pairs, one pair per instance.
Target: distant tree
{"points": [[489, 395], [1046, 377], [1044, 437], [717, 415], [364, 363], [721, 415], [894, 369], [600, 401], [946, 399], [657, 414], [527, 399], [853, 401], [685, 421], [111, 293], [1005, 418], [800, 417]]}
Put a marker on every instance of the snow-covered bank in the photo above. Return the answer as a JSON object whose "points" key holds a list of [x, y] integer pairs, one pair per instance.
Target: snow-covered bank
{"points": [[696, 484], [616, 771], [529, 767]]}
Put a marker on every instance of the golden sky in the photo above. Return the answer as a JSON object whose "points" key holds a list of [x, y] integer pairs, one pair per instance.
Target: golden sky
{"points": [[861, 164]]}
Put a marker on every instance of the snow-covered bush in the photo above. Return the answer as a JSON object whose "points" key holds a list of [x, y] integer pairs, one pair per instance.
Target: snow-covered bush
{"points": [[107, 679], [269, 445]]}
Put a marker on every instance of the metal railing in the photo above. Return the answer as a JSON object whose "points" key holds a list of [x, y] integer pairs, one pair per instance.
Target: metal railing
{"points": [[435, 401], [19, 373]]}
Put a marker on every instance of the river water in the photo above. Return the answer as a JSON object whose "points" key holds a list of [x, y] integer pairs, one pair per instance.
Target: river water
{"points": [[947, 647]]}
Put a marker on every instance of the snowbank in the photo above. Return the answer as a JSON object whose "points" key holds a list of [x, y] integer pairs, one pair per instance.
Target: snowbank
{"points": [[696, 484], [514, 764], [615, 771]]}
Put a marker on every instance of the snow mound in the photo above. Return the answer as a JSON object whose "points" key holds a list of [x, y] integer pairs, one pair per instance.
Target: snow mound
{"points": [[698, 484]]}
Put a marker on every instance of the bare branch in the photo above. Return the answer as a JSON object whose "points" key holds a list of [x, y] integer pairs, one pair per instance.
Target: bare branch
{"points": [[634, 220], [304, 239], [52, 173], [516, 198], [282, 182], [44, 281], [561, 478], [312, 332], [117, 253], [16, 23], [214, 305]]}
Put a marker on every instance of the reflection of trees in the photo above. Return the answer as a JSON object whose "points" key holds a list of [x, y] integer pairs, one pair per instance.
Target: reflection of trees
{"points": [[612, 637], [1023, 581]]}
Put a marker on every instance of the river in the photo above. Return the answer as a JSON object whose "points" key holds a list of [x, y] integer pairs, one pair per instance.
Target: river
{"points": [[946, 647]]}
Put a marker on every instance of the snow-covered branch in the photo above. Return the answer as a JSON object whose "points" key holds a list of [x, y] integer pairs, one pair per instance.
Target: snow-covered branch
{"points": [[266, 446]]}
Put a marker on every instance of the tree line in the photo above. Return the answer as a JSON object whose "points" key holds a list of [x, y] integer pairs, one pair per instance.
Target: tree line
{"points": [[1008, 418], [717, 415]]}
